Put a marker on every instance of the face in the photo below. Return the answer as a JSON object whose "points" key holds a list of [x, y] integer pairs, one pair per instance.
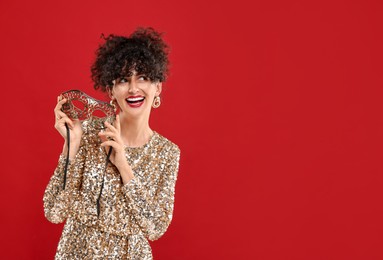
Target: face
{"points": [[135, 94]]}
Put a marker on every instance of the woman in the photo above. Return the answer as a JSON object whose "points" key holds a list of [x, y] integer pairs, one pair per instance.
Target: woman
{"points": [[137, 198]]}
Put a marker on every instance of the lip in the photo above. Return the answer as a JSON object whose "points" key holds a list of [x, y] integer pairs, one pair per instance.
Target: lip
{"points": [[135, 105]]}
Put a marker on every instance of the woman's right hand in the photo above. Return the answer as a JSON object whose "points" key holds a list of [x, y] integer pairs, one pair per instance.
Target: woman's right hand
{"points": [[75, 130]]}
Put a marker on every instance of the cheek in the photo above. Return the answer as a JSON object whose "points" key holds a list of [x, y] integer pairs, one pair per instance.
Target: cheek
{"points": [[119, 93], [119, 98], [145, 90]]}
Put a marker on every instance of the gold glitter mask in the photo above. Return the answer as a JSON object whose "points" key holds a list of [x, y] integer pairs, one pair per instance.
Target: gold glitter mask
{"points": [[83, 107]]}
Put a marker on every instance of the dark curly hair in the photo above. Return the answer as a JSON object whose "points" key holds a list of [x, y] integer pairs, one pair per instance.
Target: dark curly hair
{"points": [[143, 51]]}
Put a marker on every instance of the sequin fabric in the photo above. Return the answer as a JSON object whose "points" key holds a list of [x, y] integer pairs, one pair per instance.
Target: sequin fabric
{"points": [[130, 214]]}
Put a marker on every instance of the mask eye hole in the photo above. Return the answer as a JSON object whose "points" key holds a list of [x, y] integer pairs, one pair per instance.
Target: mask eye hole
{"points": [[78, 105], [99, 113], [80, 108]]}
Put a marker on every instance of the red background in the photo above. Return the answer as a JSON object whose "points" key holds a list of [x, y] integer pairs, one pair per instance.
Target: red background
{"points": [[276, 106]]}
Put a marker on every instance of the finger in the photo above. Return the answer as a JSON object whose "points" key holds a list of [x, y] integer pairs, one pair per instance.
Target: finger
{"points": [[103, 138], [60, 103], [105, 149], [108, 135], [110, 127], [60, 114], [117, 123], [110, 143], [64, 120], [116, 136]]}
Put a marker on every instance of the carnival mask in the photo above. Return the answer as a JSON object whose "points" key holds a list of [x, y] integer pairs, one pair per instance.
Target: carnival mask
{"points": [[83, 107]]}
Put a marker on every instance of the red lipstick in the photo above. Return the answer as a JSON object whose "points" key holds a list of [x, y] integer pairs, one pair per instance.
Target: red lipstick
{"points": [[135, 101]]}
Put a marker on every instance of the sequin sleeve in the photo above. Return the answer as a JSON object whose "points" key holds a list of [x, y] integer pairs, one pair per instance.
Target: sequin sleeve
{"points": [[154, 212], [57, 200]]}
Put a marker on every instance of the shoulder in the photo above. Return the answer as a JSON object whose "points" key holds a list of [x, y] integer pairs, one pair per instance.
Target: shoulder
{"points": [[170, 154], [168, 146]]}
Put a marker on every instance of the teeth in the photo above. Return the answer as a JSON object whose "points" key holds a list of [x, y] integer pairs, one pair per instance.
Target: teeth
{"points": [[135, 99]]}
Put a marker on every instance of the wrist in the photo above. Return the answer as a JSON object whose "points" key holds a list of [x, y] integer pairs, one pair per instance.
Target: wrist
{"points": [[73, 151], [126, 173], [74, 147]]}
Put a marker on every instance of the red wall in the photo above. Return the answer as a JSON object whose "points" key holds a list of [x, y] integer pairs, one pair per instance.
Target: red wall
{"points": [[276, 106]]}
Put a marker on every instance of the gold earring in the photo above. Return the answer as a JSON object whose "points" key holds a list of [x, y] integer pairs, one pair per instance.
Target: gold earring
{"points": [[113, 105], [157, 102]]}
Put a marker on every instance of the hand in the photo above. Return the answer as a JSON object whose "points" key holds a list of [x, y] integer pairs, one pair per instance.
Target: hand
{"points": [[112, 138], [74, 126]]}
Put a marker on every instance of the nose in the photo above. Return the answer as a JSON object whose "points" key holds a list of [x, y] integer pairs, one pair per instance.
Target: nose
{"points": [[132, 87]]}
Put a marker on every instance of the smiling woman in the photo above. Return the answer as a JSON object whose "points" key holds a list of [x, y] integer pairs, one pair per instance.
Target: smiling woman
{"points": [[112, 212]]}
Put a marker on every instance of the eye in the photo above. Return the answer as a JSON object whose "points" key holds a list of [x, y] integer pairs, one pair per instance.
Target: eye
{"points": [[122, 80], [142, 78]]}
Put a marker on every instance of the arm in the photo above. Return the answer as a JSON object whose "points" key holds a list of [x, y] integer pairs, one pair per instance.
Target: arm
{"points": [[154, 213], [56, 200]]}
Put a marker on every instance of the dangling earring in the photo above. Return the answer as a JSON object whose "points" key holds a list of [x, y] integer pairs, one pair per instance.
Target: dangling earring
{"points": [[156, 102], [113, 105]]}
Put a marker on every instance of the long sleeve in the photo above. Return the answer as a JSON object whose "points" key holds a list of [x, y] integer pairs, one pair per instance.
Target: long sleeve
{"points": [[154, 212], [56, 200]]}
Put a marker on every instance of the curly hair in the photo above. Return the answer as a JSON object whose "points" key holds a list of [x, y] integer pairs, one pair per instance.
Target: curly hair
{"points": [[143, 51]]}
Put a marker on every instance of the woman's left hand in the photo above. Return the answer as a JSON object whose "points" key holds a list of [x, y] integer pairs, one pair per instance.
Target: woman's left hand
{"points": [[112, 138]]}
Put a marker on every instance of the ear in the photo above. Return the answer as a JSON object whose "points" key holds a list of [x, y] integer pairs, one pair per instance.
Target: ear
{"points": [[159, 88], [110, 92]]}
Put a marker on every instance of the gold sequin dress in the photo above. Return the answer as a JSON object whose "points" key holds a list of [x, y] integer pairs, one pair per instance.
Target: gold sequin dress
{"points": [[129, 215]]}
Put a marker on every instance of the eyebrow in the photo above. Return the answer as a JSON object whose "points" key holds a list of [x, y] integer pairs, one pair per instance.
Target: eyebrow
{"points": [[137, 73]]}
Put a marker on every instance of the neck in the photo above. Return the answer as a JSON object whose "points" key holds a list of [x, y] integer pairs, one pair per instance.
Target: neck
{"points": [[135, 132]]}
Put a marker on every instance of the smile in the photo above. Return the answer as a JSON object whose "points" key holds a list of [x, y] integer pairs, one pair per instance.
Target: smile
{"points": [[135, 102]]}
